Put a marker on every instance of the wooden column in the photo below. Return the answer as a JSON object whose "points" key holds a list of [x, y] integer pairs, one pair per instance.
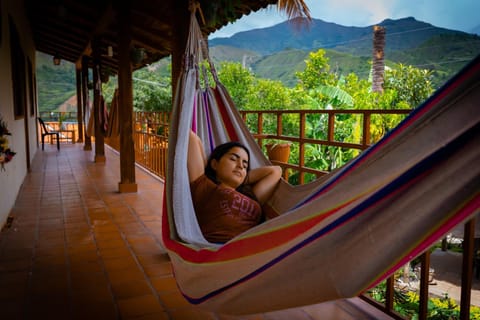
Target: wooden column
{"points": [[125, 101], [86, 101], [182, 23], [97, 91], [78, 77]]}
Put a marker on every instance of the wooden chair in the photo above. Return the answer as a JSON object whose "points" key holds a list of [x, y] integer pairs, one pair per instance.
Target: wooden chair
{"points": [[46, 132]]}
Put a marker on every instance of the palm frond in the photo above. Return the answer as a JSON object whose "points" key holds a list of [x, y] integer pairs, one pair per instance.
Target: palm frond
{"points": [[335, 93], [294, 9]]}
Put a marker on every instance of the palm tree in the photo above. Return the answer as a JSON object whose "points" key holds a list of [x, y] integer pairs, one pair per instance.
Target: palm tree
{"points": [[294, 9], [378, 67]]}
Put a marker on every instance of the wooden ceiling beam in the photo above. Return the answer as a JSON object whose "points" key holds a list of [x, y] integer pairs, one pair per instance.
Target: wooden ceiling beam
{"points": [[105, 20]]}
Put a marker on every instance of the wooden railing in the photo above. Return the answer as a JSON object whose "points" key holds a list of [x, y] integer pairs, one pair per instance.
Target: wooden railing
{"points": [[329, 120], [150, 138], [54, 116], [151, 135]]}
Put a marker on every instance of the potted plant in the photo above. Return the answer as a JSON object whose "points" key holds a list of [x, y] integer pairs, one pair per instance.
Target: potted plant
{"points": [[61, 118], [6, 154], [278, 151], [137, 55]]}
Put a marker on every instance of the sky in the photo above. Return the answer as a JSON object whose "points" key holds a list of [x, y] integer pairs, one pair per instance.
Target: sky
{"points": [[463, 15]]}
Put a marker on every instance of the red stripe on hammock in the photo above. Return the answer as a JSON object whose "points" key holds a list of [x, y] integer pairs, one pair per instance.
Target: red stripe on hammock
{"points": [[465, 211], [243, 247], [227, 121]]}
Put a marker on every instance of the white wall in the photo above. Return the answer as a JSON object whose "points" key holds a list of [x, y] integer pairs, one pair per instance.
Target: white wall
{"points": [[15, 171]]}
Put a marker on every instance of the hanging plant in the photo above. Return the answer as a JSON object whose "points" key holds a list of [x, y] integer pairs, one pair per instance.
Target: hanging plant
{"points": [[6, 154], [105, 74], [137, 55]]}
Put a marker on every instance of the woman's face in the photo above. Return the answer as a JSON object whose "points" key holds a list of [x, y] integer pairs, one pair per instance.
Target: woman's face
{"points": [[231, 168]]}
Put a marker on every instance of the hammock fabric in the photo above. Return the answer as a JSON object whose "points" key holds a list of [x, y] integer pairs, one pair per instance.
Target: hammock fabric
{"points": [[113, 127], [338, 236]]}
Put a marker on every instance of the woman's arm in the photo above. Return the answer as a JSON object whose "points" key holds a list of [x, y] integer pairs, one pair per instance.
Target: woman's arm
{"points": [[263, 181], [196, 157]]}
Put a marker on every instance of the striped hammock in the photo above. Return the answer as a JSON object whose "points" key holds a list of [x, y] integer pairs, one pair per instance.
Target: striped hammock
{"points": [[337, 236]]}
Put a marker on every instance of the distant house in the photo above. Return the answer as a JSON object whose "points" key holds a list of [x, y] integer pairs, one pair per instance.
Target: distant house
{"points": [[69, 105]]}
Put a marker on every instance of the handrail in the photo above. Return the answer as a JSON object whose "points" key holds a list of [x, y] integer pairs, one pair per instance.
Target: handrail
{"points": [[301, 140]]}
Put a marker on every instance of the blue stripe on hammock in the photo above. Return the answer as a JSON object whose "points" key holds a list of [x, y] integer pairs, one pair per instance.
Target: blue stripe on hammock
{"points": [[209, 124], [420, 168]]}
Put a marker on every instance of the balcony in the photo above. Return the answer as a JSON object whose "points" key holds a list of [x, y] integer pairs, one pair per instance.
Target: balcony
{"points": [[140, 221]]}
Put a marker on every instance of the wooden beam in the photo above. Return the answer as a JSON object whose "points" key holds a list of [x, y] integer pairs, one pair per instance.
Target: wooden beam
{"points": [[102, 26], [97, 106], [85, 100], [78, 78]]}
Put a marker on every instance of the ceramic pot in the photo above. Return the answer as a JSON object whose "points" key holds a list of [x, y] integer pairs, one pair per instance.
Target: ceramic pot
{"points": [[278, 151]]}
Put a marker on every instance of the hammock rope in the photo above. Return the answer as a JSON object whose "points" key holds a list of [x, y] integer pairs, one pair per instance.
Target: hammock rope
{"points": [[339, 235]]}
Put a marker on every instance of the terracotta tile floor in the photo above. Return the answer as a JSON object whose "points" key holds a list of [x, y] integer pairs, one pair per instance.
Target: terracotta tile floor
{"points": [[78, 249]]}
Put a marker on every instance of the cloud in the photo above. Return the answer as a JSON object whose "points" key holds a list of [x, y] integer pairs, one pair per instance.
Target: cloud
{"points": [[460, 15], [350, 12]]}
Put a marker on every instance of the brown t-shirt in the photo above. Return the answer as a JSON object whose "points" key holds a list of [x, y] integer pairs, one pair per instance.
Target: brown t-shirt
{"points": [[222, 212]]}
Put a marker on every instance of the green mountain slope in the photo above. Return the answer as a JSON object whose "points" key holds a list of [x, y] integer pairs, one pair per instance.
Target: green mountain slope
{"points": [[56, 83], [408, 41], [227, 53], [283, 65]]}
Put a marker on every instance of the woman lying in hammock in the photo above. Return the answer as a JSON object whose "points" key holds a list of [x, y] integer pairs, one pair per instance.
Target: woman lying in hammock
{"points": [[227, 195]]}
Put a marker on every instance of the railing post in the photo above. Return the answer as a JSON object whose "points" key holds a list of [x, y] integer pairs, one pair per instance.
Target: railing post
{"points": [[424, 278], [260, 128], [301, 147], [389, 293], [467, 268], [279, 124], [366, 129], [331, 126]]}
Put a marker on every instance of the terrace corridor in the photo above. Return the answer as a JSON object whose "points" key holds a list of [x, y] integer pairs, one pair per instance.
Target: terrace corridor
{"points": [[78, 249]]}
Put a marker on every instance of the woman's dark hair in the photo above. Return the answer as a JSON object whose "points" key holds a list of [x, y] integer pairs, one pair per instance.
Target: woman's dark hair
{"points": [[218, 153]]}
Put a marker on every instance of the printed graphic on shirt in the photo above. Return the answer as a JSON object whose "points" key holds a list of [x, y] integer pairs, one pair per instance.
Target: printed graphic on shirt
{"points": [[236, 203]]}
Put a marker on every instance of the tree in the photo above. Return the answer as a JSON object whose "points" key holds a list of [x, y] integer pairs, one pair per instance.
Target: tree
{"points": [[412, 85], [238, 80], [152, 92], [316, 72], [265, 94], [323, 88], [378, 65]]}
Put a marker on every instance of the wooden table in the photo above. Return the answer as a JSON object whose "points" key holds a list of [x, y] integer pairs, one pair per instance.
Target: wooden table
{"points": [[67, 135]]}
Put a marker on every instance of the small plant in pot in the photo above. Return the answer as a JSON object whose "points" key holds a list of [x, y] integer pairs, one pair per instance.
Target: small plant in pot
{"points": [[278, 151], [61, 118]]}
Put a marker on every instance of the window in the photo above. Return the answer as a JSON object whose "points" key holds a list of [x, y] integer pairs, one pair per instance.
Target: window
{"points": [[18, 72], [31, 87]]}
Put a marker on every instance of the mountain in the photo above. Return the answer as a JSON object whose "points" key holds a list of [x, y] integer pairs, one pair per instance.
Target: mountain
{"points": [[227, 53], [284, 64], [401, 34], [57, 82], [279, 51]]}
